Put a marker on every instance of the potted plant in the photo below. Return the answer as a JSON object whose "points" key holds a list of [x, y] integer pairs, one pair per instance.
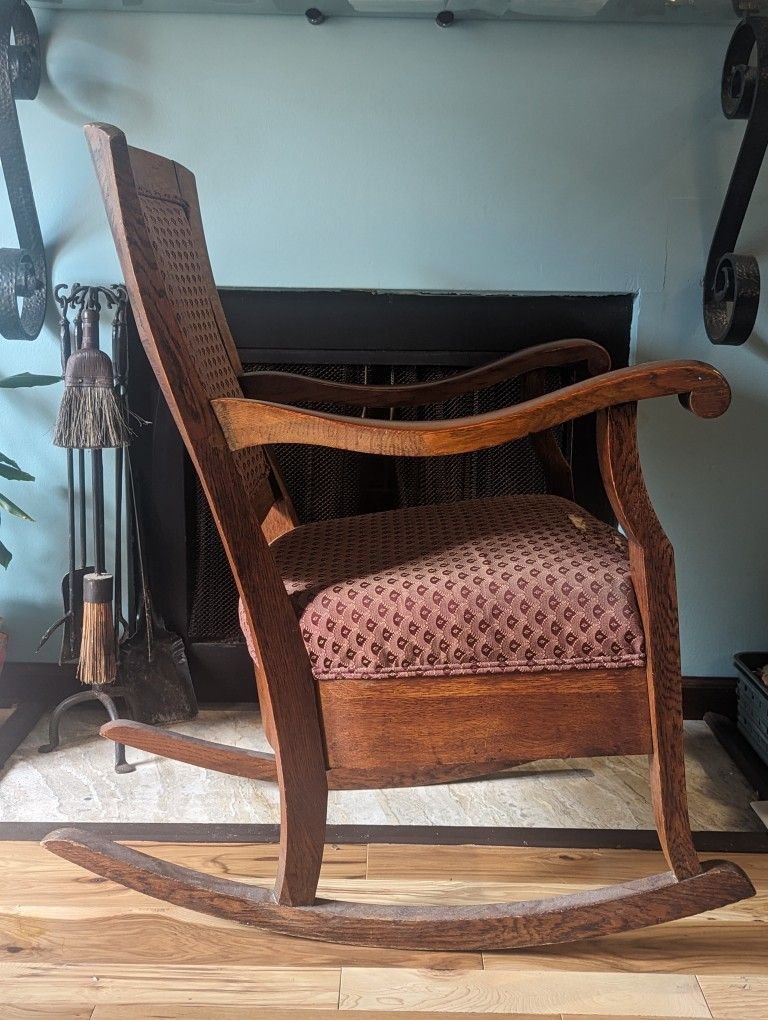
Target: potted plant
{"points": [[10, 471]]}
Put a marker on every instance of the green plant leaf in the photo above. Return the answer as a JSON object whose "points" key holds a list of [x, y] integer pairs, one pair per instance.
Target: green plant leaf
{"points": [[25, 379], [15, 474], [10, 506], [5, 556], [7, 460]]}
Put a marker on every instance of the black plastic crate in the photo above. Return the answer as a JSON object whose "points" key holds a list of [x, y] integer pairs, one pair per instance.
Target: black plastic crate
{"points": [[752, 700]]}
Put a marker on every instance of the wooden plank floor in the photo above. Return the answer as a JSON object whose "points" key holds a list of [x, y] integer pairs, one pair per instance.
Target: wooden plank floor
{"points": [[74, 946]]}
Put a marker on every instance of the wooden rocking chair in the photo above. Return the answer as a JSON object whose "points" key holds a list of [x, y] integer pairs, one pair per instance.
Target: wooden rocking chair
{"points": [[421, 645]]}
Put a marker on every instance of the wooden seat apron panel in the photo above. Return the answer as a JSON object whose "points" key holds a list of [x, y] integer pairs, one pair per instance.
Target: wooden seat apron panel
{"points": [[370, 724]]}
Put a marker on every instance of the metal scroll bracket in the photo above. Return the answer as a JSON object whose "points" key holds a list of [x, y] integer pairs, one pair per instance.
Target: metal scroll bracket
{"points": [[23, 271], [732, 282]]}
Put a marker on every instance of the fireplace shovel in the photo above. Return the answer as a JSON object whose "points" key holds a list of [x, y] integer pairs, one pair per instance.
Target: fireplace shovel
{"points": [[153, 665], [154, 671]]}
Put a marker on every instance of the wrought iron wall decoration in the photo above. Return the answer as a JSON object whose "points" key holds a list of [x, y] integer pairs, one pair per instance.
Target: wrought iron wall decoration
{"points": [[23, 273], [731, 281]]}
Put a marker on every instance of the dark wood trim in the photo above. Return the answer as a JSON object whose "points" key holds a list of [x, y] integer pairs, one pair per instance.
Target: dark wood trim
{"points": [[480, 715], [17, 726], [651, 566], [428, 835], [287, 388], [702, 694], [46, 681]]}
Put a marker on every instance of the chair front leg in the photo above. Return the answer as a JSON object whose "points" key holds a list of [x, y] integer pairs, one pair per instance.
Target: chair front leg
{"points": [[287, 696], [653, 574], [652, 568], [294, 731]]}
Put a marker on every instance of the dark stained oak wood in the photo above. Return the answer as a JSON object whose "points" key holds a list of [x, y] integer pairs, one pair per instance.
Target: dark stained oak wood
{"points": [[374, 728], [287, 388], [233, 761], [652, 566], [253, 422], [239, 761], [396, 775], [372, 723], [284, 677], [605, 911], [557, 469], [358, 733]]}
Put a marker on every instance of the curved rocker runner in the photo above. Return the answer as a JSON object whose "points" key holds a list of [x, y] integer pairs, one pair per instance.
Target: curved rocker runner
{"points": [[604, 911], [372, 635]]}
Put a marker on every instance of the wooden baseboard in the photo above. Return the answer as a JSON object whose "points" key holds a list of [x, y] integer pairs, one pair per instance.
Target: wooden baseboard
{"points": [[743, 755], [49, 682], [429, 835], [30, 688], [18, 724], [34, 687], [702, 694], [36, 681]]}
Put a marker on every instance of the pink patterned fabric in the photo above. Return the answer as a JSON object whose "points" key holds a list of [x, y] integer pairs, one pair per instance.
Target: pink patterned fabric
{"points": [[510, 584]]}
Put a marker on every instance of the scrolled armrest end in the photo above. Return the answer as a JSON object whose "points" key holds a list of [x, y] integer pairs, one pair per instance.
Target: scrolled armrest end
{"points": [[710, 396]]}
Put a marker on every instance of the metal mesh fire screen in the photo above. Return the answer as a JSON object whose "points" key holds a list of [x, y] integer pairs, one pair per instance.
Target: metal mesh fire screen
{"points": [[326, 483], [375, 337]]}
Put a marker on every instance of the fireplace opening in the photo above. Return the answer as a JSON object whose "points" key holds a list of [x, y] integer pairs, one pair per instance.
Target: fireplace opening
{"points": [[365, 338]]}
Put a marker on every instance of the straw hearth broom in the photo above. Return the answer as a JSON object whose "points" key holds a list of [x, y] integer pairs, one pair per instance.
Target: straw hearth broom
{"points": [[90, 417]]}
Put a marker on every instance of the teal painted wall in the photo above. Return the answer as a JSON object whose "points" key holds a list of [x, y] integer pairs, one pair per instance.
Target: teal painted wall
{"points": [[392, 154]]}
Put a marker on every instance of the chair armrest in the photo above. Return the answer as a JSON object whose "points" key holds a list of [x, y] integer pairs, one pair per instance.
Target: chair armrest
{"points": [[700, 387], [286, 388]]}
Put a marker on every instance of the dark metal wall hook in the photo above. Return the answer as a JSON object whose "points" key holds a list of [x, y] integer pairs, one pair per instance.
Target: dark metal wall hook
{"points": [[23, 270], [731, 281]]}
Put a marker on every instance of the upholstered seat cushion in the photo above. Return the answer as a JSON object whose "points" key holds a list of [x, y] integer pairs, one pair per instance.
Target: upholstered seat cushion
{"points": [[514, 583]]}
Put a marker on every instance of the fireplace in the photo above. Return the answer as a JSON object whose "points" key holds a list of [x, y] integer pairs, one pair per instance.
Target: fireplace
{"points": [[361, 337]]}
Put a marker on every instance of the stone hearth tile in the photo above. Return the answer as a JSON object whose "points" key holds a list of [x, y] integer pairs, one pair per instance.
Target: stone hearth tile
{"points": [[78, 784]]}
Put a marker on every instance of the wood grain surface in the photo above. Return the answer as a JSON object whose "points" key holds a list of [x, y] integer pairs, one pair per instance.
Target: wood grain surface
{"points": [[287, 388], [254, 422], [495, 714], [154, 214], [75, 947]]}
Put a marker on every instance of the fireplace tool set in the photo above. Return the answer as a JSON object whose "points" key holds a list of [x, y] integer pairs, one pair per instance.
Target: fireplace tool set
{"points": [[125, 654]]}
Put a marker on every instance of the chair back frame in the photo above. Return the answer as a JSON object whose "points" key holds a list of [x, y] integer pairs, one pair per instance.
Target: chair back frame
{"points": [[130, 177]]}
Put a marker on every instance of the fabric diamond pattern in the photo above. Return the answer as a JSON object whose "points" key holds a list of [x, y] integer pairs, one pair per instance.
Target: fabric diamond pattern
{"points": [[510, 584]]}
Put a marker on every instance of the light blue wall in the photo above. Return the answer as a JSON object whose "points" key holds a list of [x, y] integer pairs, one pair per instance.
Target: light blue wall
{"points": [[392, 154]]}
